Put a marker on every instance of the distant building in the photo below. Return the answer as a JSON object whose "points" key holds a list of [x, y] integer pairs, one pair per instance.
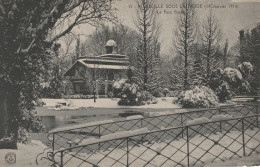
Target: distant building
{"points": [[98, 73]]}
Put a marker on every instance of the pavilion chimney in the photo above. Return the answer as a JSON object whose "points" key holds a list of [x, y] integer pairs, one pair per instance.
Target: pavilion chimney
{"points": [[242, 36], [111, 47]]}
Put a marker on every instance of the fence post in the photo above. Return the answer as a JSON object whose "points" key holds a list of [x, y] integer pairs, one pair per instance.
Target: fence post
{"points": [[99, 135], [243, 137], [188, 149], [61, 159], [182, 125], [53, 142], [220, 126], [127, 153], [257, 112], [142, 127]]}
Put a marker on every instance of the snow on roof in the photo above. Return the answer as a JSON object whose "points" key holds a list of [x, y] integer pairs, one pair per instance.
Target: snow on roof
{"points": [[111, 42], [101, 66], [113, 56]]}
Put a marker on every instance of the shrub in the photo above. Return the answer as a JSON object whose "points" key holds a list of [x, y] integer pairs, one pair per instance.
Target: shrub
{"points": [[146, 98], [118, 85], [227, 83], [131, 95], [245, 68], [199, 97], [166, 91], [158, 92], [23, 136], [232, 76]]}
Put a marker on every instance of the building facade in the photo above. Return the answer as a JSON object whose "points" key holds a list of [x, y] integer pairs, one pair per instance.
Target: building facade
{"points": [[96, 74]]}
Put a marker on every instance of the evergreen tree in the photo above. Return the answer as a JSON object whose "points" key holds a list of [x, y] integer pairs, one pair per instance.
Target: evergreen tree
{"points": [[184, 43], [211, 35], [146, 68]]}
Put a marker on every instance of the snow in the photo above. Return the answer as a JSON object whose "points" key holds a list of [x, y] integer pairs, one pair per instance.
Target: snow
{"points": [[153, 114], [74, 104], [134, 117], [213, 118], [245, 161], [198, 121], [114, 136], [119, 84], [221, 117], [81, 126], [25, 155], [232, 74], [148, 151]]}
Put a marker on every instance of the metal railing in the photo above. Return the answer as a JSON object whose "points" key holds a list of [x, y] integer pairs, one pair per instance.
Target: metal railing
{"points": [[71, 137], [190, 145]]}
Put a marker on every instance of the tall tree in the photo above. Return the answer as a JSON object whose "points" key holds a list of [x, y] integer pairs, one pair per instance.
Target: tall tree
{"points": [[211, 35], [185, 33], [24, 48], [125, 38], [225, 54], [147, 58], [250, 51]]}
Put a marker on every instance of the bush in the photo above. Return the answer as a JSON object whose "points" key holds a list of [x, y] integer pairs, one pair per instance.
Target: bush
{"points": [[146, 98], [118, 85], [245, 68], [129, 94], [158, 92], [132, 96], [227, 83], [23, 136], [199, 97], [232, 76]]}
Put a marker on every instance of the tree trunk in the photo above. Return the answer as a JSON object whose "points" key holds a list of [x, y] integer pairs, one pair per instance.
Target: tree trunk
{"points": [[7, 140]]}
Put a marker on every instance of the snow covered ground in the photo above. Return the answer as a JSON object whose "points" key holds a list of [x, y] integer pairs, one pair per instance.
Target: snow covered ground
{"points": [[25, 155], [74, 104], [149, 151]]}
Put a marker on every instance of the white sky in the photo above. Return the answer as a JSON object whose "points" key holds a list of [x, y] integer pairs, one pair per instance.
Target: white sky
{"points": [[245, 16]]}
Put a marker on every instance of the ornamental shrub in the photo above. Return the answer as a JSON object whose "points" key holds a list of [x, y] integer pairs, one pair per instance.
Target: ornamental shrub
{"points": [[199, 97], [227, 83], [118, 85], [131, 95]]}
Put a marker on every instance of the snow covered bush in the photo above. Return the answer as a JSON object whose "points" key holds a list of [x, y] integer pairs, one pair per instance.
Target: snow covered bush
{"points": [[118, 85], [245, 68], [227, 83], [232, 76], [223, 91], [23, 136], [129, 94], [132, 95], [166, 91], [146, 98], [199, 97]]}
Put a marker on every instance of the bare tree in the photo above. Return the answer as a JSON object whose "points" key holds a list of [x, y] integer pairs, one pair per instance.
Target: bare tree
{"points": [[147, 68], [125, 38], [210, 36], [185, 37]]}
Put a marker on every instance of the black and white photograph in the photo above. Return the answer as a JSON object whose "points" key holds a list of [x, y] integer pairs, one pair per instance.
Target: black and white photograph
{"points": [[129, 83]]}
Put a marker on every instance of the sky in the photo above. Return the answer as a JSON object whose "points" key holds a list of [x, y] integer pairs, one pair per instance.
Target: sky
{"points": [[233, 15]]}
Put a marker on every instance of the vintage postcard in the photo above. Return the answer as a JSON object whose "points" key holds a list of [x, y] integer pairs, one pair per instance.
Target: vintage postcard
{"points": [[129, 83]]}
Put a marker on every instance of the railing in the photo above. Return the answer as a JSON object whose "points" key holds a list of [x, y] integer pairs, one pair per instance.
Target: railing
{"points": [[71, 137], [190, 145]]}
